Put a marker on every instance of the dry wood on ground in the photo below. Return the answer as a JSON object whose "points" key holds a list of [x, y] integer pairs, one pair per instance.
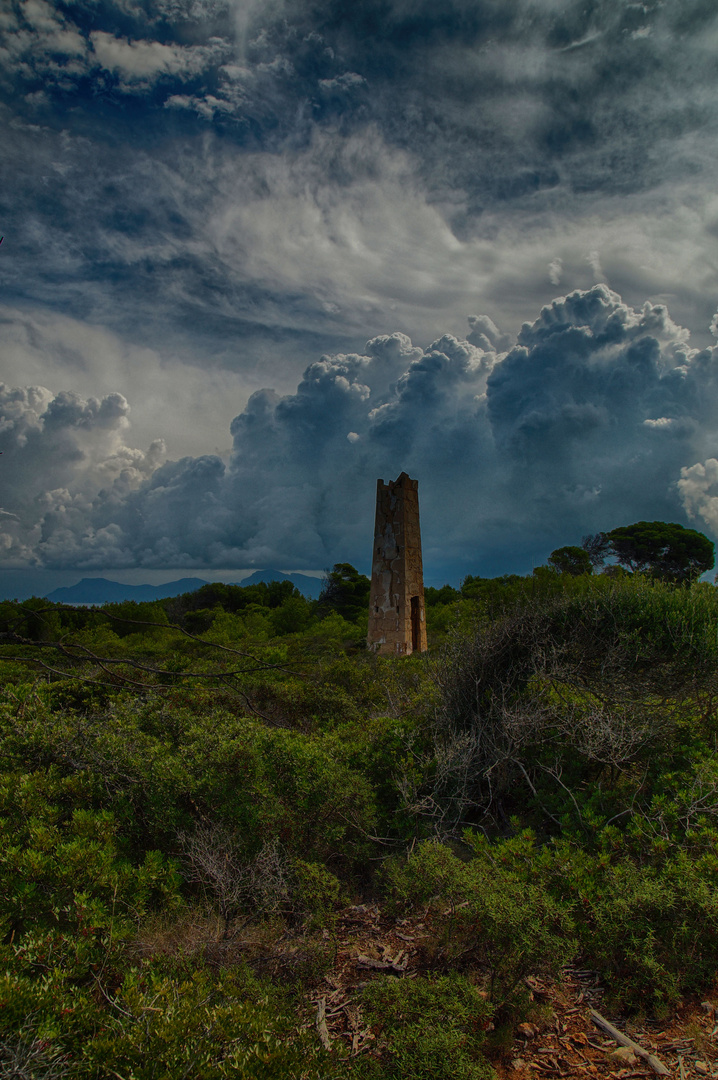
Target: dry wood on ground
{"points": [[563, 1041]]}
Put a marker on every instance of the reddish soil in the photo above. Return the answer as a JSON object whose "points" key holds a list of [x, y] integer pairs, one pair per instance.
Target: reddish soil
{"points": [[562, 1042]]}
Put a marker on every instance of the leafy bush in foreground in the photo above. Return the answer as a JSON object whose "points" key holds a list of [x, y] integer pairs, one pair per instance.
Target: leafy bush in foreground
{"points": [[434, 1027], [156, 1023], [486, 915]]}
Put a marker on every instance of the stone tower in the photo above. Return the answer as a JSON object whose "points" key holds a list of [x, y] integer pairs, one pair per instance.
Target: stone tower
{"points": [[397, 625]]}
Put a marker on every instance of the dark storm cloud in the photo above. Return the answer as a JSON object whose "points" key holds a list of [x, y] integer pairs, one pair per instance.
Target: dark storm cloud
{"points": [[498, 101], [200, 197], [596, 417], [61, 456], [599, 406], [587, 363], [139, 132], [537, 94]]}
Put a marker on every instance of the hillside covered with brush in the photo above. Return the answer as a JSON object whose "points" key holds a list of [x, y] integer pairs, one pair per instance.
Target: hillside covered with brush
{"points": [[236, 844]]}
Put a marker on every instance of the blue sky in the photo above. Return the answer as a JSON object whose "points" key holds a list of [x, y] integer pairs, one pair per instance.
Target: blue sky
{"points": [[258, 254]]}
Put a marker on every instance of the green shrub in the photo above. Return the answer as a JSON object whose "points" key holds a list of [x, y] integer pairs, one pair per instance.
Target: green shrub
{"points": [[315, 891], [649, 925], [155, 1023], [586, 707], [539, 701], [652, 931], [201, 1026], [434, 1027], [486, 913]]}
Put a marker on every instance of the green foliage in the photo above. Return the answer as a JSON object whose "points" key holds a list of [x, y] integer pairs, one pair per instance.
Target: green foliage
{"points": [[209, 1027], [156, 1023], [664, 549], [36, 619], [63, 864], [563, 688], [439, 620], [492, 597], [508, 925], [230, 598], [597, 546], [262, 770], [335, 633], [445, 595], [128, 617], [316, 891], [570, 560], [163, 762], [646, 919], [653, 930], [434, 1027], [294, 615], [346, 592], [200, 620]]}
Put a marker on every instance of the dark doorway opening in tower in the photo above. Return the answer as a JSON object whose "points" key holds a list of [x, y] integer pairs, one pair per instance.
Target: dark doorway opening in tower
{"points": [[415, 625]]}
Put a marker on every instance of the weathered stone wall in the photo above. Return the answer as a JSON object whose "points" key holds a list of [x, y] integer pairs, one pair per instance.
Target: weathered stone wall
{"points": [[397, 623]]}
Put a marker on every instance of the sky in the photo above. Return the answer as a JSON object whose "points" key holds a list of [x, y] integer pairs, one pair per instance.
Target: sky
{"points": [[259, 253]]}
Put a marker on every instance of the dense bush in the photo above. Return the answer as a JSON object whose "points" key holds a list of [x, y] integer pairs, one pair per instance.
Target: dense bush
{"points": [[434, 1027], [540, 701], [185, 786], [487, 915]]}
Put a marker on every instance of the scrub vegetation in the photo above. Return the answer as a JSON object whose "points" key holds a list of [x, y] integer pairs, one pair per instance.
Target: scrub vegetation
{"points": [[197, 794]]}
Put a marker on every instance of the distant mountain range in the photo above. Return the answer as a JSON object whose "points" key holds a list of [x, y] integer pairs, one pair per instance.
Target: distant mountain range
{"points": [[103, 591]]}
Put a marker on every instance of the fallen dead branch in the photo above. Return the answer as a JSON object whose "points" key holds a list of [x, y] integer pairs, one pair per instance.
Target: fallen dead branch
{"points": [[397, 964], [650, 1059], [321, 1023]]}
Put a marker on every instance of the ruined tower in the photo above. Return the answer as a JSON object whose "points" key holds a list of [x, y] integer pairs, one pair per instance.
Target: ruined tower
{"points": [[397, 625]]}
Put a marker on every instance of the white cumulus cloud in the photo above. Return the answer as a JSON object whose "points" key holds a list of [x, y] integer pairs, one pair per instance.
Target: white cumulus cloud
{"points": [[587, 422]]}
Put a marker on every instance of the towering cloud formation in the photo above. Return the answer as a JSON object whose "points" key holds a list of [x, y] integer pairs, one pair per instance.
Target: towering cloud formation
{"points": [[597, 416], [65, 473]]}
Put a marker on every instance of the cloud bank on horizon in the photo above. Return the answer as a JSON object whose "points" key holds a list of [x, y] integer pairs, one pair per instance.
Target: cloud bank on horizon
{"points": [[201, 197], [599, 414]]}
